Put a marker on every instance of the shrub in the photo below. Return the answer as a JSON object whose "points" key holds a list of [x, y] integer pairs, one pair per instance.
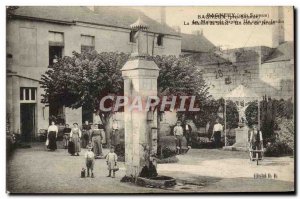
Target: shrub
{"points": [[120, 151], [202, 142], [232, 115], [172, 159], [284, 139], [286, 132], [278, 148], [165, 152], [251, 114]]}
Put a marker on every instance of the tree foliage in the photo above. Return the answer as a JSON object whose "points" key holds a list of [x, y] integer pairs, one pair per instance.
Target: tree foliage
{"points": [[271, 112], [84, 79]]}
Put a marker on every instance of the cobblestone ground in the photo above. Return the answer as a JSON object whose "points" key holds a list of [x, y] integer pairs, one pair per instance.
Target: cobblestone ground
{"points": [[35, 170]]}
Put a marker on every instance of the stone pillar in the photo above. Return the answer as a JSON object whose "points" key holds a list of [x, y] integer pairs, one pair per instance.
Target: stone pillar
{"points": [[140, 80]]}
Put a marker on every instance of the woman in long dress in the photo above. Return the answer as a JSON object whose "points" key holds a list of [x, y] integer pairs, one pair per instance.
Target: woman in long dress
{"points": [[52, 136], [115, 135], [75, 136]]}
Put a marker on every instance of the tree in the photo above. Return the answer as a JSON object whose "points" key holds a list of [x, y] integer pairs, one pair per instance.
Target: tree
{"points": [[84, 79], [180, 77]]}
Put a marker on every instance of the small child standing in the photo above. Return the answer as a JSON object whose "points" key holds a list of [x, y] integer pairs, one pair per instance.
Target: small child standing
{"points": [[111, 160], [90, 161]]}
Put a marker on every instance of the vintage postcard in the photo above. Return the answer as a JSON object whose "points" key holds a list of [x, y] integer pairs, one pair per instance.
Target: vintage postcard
{"points": [[150, 99]]}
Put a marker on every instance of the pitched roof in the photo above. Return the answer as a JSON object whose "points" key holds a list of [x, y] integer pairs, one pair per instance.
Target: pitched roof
{"points": [[196, 43], [283, 52], [209, 58], [241, 92], [121, 17]]}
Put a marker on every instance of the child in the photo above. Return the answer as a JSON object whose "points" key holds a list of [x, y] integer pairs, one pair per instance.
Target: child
{"points": [[111, 160], [90, 160]]}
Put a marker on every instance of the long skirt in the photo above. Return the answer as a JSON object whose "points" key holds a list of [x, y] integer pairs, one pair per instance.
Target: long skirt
{"points": [[85, 138], [97, 145], [76, 141], [71, 148], [52, 141], [115, 137], [217, 139]]}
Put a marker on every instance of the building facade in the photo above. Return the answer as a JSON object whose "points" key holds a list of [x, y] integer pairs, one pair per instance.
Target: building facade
{"points": [[37, 36]]}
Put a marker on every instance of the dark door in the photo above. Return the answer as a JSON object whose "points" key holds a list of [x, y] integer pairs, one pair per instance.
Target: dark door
{"points": [[27, 122]]}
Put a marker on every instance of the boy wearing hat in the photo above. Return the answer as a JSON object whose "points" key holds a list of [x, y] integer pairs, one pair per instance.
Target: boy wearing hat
{"points": [[90, 161]]}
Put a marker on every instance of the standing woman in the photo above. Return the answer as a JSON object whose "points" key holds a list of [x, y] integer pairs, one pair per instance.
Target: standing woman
{"points": [[75, 136], [115, 136], [51, 136]]}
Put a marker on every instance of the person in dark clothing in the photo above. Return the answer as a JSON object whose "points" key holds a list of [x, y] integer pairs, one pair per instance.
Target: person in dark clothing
{"points": [[52, 136], [217, 131], [256, 140], [187, 132], [66, 136], [86, 134]]}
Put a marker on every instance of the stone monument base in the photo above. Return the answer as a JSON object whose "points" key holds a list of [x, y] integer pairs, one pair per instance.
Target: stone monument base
{"points": [[241, 140], [233, 148]]}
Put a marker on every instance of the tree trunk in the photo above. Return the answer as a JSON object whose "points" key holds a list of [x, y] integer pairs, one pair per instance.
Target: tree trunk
{"points": [[105, 121]]}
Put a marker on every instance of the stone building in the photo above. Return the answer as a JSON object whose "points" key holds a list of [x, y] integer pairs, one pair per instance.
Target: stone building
{"points": [[266, 71], [37, 36]]}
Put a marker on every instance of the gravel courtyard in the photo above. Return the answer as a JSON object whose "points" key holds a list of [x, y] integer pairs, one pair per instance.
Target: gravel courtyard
{"points": [[35, 170]]}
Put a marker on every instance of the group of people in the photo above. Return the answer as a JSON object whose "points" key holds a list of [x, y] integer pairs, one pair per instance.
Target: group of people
{"points": [[90, 137], [185, 130], [180, 132]]}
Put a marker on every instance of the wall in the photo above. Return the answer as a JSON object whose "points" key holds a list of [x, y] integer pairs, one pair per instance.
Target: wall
{"points": [[73, 116], [271, 79], [27, 42], [280, 75]]}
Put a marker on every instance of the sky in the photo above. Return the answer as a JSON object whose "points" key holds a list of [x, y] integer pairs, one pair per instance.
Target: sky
{"points": [[231, 36]]}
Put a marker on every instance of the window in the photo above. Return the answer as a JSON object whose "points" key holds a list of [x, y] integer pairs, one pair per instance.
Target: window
{"points": [[132, 37], [87, 43], [55, 52], [28, 95], [56, 38], [56, 46], [160, 40]]}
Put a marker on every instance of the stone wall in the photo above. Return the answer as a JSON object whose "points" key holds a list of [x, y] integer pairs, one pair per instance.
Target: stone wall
{"points": [[274, 79]]}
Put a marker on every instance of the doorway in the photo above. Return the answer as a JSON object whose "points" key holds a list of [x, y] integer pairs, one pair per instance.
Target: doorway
{"points": [[27, 121]]}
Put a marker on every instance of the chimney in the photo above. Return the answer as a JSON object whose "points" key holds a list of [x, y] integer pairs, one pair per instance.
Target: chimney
{"points": [[163, 15], [278, 28]]}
